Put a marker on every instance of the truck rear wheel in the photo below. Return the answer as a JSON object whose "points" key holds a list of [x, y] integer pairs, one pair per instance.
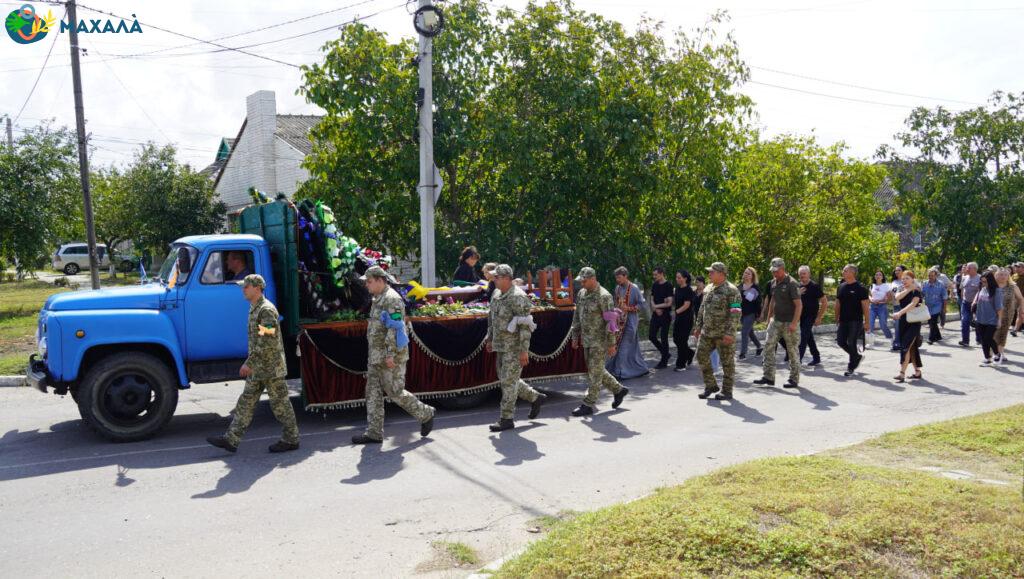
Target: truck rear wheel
{"points": [[128, 396]]}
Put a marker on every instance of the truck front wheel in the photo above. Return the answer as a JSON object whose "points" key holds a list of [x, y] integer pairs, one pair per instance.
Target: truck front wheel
{"points": [[127, 397]]}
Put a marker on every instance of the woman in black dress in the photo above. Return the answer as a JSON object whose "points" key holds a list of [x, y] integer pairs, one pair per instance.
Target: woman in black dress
{"points": [[683, 303], [466, 272], [910, 333]]}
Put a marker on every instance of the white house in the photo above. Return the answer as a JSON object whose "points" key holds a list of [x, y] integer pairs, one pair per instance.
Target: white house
{"points": [[267, 154]]}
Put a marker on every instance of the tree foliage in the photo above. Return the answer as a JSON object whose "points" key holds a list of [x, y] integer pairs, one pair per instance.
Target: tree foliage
{"points": [[40, 196], [562, 138], [157, 200], [962, 181], [808, 204]]}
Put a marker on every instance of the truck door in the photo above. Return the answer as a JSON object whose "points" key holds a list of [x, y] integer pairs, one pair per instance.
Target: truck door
{"points": [[216, 313]]}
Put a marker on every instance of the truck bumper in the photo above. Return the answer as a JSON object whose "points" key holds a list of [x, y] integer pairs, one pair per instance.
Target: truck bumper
{"points": [[38, 376]]}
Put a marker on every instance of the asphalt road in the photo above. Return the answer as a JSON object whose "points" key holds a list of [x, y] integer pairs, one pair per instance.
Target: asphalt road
{"points": [[72, 505]]}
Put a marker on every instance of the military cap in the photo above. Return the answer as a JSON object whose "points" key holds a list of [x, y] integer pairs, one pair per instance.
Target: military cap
{"points": [[503, 270], [718, 266], [586, 273], [379, 273], [254, 280], [777, 264]]}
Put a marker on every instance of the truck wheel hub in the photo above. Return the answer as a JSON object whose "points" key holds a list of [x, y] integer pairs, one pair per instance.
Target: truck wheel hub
{"points": [[128, 396]]}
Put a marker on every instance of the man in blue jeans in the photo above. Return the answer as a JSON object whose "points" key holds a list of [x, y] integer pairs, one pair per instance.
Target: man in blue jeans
{"points": [[970, 285]]}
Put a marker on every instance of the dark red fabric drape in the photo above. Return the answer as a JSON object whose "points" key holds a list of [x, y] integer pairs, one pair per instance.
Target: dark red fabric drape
{"points": [[324, 383]]}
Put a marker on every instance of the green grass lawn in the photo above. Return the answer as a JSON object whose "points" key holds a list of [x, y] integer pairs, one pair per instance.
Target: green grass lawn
{"points": [[812, 516], [20, 303]]}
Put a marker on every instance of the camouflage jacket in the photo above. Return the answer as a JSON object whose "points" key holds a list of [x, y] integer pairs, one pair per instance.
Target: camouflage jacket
{"points": [[382, 340], [266, 348], [504, 307], [719, 311], [588, 320]]}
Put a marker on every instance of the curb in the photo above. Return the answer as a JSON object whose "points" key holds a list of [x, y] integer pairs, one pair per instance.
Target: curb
{"points": [[12, 381]]}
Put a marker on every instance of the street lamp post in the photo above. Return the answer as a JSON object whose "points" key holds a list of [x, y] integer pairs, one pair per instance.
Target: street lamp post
{"points": [[428, 22]]}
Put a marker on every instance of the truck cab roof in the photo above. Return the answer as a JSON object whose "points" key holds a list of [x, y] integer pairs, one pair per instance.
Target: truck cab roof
{"points": [[204, 241]]}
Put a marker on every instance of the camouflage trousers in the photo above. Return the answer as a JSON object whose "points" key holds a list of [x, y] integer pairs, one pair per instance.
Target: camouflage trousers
{"points": [[381, 380], [705, 346], [512, 387], [792, 339], [277, 390], [597, 376]]}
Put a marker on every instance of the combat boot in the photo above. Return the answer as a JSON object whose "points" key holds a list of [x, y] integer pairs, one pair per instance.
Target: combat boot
{"points": [[583, 410], [364, 439], [503, 424], [723, 396], [222, 442], [707, 392], [619, 396], [282, 446], [536, 404], [426, 427], [764, 382]]}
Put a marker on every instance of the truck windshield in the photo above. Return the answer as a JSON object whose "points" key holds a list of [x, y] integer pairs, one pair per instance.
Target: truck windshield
{"points": [[170, 270]]}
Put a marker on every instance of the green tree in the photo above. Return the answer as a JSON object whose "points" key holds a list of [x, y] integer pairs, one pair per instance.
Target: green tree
{"points": [[960, 179], [562, 137], [113, 210], [40, 195], [807, 204], [157, 200]]}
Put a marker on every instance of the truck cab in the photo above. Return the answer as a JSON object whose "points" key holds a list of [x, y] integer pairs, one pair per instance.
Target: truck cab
{"points": [[124, 353]]}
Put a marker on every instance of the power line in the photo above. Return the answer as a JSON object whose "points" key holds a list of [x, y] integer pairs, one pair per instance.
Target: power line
{"points": [[40, 75], [199, 40], [279, 24], [275, 41], [861, 87], [132, 96], [831, 96]]}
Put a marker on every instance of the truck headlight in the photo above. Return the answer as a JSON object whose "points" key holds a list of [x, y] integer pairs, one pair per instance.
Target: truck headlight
{"points": [[42, 347]]}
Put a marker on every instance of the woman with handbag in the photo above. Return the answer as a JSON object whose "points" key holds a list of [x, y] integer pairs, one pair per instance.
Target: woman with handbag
{"points": [[909, 317]]}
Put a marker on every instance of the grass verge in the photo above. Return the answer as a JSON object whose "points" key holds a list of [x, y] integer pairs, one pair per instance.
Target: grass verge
{"points": [[813, 516], [20, 303]]}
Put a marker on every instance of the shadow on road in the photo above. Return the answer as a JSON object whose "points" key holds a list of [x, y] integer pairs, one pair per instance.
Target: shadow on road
{"points": [[741, 410], [515, 449], [609, 429], [375, 463]]}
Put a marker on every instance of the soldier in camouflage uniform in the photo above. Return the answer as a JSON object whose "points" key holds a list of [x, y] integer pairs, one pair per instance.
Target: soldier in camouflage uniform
{"points": [[509, 327], [264, 369], [784, 311], [715, 330], [385, 370], [588, 322]]}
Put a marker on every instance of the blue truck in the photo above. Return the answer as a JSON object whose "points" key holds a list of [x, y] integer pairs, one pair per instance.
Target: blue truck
{"points": [[124, 353]]}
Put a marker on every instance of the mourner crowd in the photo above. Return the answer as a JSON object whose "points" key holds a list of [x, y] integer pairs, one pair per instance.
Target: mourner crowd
{"points": [[703, 314]]}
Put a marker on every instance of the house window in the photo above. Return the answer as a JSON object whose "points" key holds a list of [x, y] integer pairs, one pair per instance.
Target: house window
{"points": [[227, 266]]}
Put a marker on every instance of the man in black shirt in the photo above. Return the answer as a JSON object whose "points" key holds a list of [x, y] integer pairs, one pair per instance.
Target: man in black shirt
{"points": [[661, 315], [852, 300], [815, 303]]}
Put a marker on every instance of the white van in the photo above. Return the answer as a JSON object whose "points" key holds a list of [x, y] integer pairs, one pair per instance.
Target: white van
{"points": [[72, 258]]}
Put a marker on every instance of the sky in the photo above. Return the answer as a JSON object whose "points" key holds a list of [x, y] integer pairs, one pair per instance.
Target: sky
{"points": [[846, 71]]}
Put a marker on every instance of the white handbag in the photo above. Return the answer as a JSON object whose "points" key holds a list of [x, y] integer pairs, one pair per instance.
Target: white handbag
{"points": [[919, 314]]}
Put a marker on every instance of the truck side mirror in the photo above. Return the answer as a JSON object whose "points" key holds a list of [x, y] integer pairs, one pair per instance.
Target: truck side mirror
{"points": [[184, 260]]}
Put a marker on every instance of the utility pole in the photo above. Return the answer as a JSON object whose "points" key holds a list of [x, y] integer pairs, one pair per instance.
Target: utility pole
{"points": [[428, 265], [10, 135], [83, 153]]}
